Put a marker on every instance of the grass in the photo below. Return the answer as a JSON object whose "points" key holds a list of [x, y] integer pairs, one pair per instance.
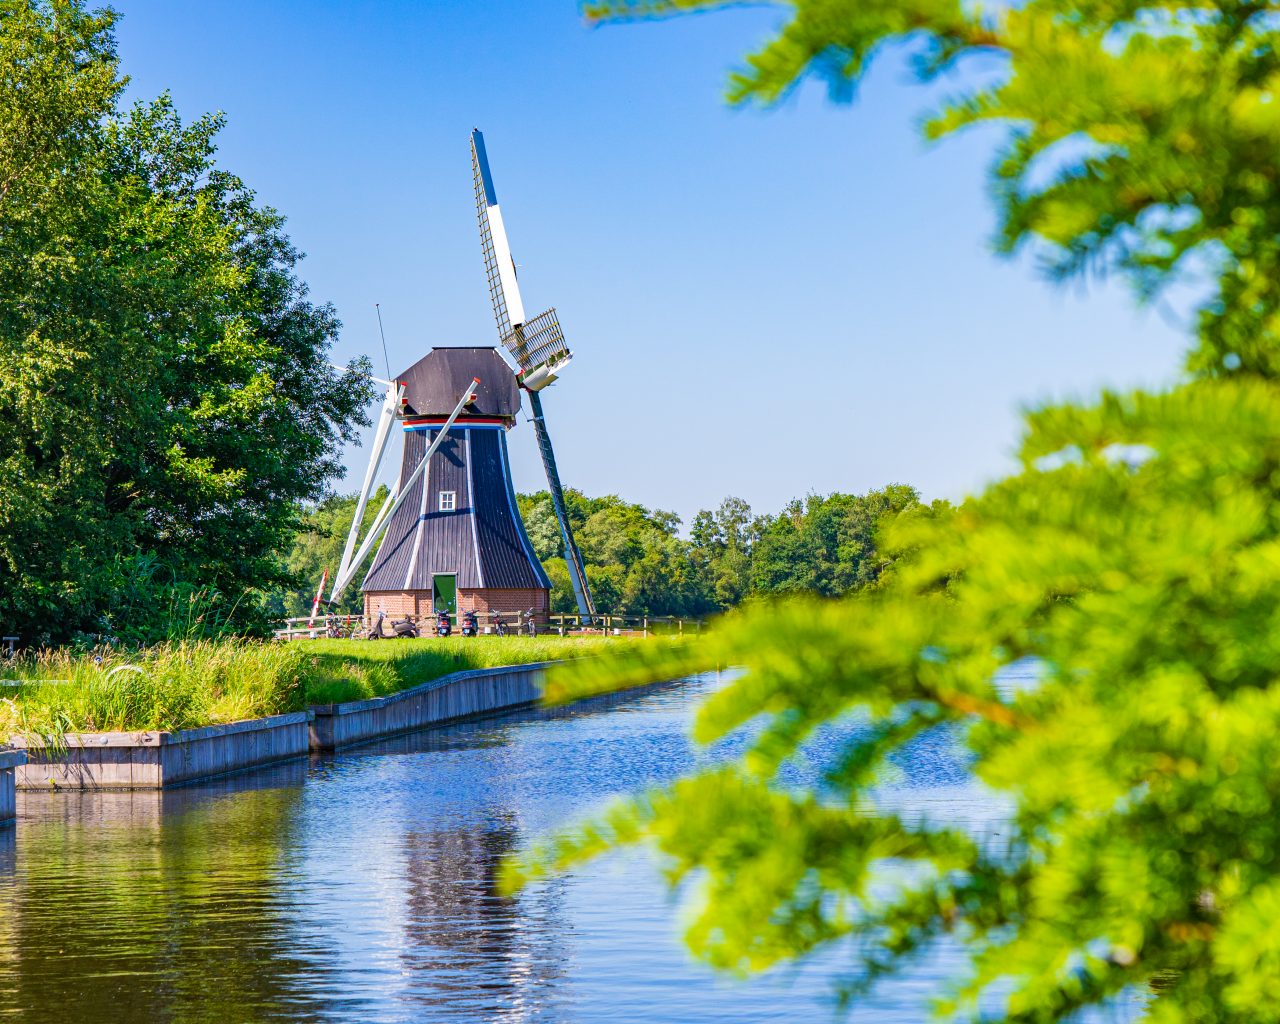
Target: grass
{"points": [[189, 684], [343, 670]]}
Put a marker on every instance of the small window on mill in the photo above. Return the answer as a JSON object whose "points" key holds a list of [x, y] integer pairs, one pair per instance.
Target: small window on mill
{"points": [[448, 501]]}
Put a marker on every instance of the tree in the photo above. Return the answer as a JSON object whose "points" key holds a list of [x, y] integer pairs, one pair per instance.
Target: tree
{"points": [[317, 548], [723, 544], [826, 546], [540, 523], [164, 387], [1131, 560]]}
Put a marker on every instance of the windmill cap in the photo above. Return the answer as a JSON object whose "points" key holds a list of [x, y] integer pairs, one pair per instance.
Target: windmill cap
{"points": [[434, 384]]}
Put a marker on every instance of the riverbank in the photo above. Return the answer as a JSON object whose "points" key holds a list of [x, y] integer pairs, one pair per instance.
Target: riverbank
{"points": [[184, 686]]}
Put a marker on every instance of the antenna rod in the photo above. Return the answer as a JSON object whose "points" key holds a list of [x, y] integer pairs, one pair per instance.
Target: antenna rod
{"points": [[386, 358]]}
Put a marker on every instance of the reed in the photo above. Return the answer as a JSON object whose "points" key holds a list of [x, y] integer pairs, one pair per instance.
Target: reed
{"points": [[187, 684]]}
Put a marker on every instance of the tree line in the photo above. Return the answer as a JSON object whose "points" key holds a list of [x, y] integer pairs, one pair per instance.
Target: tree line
{"points": [[639, 563]]}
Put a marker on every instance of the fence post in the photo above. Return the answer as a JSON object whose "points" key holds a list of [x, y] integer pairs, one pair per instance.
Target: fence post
{"points": [[646, 627], [682, 627]]}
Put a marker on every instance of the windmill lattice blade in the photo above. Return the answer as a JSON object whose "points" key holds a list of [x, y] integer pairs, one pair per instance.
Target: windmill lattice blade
{"points": [[499, 268], [538, 342]]}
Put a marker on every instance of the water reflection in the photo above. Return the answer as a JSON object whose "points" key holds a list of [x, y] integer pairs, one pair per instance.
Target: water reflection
{"points": [[360, 887], [145, 906], [482, 956]]}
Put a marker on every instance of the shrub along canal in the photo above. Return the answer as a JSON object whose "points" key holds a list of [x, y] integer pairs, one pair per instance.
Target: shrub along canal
{"points": [[360, 887]]}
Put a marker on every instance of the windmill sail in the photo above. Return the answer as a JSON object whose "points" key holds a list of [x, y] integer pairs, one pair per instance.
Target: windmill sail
{"points": [[499, 267], [537, 346]]}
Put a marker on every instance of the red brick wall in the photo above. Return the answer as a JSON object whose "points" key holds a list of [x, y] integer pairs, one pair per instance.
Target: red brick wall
{"points": [[398, 604], [509, 602]]}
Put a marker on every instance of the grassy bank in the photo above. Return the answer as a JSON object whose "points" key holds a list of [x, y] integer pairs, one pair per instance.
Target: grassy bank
{"points": [[182, 686]]}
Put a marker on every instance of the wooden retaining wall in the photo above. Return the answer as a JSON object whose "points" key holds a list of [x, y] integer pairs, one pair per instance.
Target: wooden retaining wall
{"points": [[458, 695], [10, 762], [153, 760]]}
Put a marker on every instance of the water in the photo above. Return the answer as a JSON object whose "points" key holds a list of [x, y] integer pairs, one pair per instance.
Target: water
{"points": [[360, 887]]}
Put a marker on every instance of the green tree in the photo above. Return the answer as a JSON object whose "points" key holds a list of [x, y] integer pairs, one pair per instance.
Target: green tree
{"points": [[543, 528], [1131, 559], [317, 548], [164, 389], [826, 546], [723, 543]]}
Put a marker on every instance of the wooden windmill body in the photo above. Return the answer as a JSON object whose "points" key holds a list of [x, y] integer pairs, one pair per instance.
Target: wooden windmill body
{"points": [[457, 542]]}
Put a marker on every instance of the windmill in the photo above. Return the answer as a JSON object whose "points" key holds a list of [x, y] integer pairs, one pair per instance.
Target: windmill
{"points": [[537, 346], [450, 530]]}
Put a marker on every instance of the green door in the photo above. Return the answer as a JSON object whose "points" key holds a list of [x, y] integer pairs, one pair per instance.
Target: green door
{"points": [[444, 594]]}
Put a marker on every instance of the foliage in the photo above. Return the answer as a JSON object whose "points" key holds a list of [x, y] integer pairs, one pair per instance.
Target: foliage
{"points": [[1133, 560], [187, 684], [317, 547], [164, 390], [637, 562]]}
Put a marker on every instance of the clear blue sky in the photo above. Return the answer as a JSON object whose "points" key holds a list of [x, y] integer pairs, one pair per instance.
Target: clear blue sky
{"points": [[761, 304]]}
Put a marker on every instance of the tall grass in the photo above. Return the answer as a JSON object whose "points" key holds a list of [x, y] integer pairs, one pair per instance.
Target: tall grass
{"points": [[186, 684], [177, 685]]}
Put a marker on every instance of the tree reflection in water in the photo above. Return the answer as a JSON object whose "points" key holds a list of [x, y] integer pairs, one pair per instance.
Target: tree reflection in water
{"points": [[156, 906]]}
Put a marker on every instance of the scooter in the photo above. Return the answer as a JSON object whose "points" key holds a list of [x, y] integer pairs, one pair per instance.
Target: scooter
{"points": [[530, 624], [403, 629], [444, 625], [499, 626], [470, 627]]}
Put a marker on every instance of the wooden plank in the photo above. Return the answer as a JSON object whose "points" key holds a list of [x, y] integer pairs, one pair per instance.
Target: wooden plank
{"points": [[10, 761], [155, 760], [456, 696]]}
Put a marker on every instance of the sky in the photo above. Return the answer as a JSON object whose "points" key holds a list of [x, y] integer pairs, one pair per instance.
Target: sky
{"points": [[763, 304]]}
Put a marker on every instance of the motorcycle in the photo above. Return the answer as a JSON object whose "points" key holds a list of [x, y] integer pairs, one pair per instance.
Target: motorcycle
{"points": [[444, 625], [499, 625], [530, 624], [470, 626]]}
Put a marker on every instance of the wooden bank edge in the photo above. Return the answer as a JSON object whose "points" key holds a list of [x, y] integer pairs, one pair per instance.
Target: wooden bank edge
{"points": [[138, 760], [156, 759]]}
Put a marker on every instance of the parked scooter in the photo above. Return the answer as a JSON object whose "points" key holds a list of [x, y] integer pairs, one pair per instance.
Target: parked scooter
{"points": [[405, 629], [444, 625], [499, 624], [402, 629], [470, 625], [530, 623]]}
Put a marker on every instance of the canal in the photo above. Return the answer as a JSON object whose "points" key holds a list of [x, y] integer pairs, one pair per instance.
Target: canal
{"points": [[359, 887]]}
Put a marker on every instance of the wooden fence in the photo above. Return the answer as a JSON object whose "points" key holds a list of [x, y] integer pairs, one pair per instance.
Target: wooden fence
{"points": [[304, 628]]}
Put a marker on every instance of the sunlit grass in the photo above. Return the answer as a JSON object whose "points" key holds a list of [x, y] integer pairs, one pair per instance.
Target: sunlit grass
{"points": [[343, 670], [190, 684]]}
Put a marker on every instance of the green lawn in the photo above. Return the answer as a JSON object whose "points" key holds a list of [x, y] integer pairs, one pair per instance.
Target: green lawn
{"points": [[182, 686]]}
